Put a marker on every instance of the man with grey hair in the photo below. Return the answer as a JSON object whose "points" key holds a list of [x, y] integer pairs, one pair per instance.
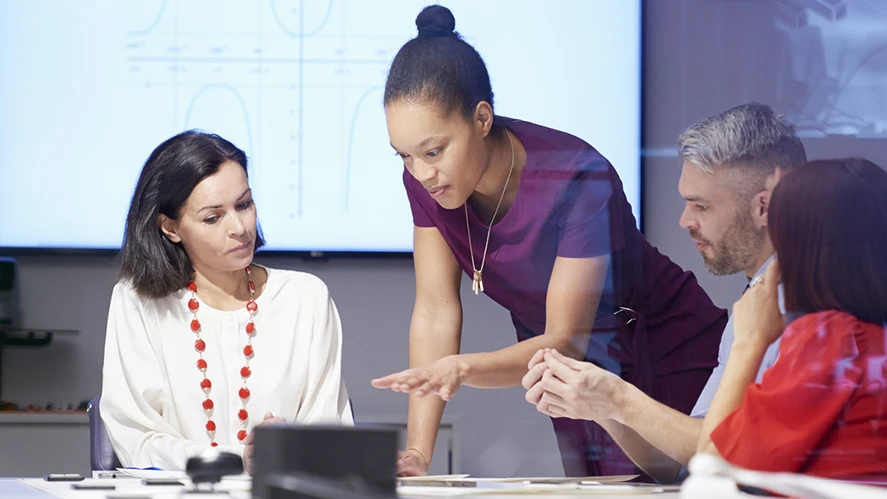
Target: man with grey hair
{"points": [[728, 161], [731, 163]]}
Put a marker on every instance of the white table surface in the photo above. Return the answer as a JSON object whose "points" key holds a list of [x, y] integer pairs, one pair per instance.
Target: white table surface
{"points": [[37, 488]]}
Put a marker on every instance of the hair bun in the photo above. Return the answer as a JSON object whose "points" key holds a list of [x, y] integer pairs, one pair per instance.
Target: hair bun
{"points": [[436, 21]]}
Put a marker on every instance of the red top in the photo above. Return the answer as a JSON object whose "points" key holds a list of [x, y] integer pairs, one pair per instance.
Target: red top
{"points": [[820, 409]]}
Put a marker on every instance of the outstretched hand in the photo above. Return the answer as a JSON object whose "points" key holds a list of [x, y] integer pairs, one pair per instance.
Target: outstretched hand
{"points": [[442, 377]]}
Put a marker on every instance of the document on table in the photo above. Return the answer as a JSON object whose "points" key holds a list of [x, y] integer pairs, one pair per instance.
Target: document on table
{"points": [[174, 475]]}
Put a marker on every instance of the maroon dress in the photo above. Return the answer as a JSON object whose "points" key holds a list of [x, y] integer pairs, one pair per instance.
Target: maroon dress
{"points": [[655, 327]]}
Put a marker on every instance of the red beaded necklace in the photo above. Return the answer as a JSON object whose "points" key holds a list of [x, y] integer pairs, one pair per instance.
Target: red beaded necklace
{"points": [[200, 346]]}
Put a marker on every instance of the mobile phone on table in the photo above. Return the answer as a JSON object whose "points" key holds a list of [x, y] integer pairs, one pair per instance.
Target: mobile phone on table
{"points": [[63, 477], [161, 481], [93, 486]]}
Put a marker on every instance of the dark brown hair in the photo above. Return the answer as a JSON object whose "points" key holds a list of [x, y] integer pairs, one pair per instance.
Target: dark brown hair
{"points": [[828, 224], [154, 265]]}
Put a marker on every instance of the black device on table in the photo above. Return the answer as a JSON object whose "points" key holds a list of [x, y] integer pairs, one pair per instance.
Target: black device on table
{"points": [[324, 462], [93, 486], [310, 462], [211, 465], [63, 477], [161, 481]]}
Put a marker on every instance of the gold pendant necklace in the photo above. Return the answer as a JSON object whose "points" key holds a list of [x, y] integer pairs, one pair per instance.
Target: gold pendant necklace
{"points": [[477, 284]]}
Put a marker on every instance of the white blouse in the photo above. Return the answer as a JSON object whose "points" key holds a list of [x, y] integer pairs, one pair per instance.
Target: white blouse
{"points": [[151, 396]]}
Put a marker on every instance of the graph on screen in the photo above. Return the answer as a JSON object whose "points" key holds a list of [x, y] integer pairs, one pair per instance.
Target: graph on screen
{"points": [[297, 84]]}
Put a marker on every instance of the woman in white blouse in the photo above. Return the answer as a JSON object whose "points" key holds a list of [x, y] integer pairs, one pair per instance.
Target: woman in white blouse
{"points": [[202, 344]]}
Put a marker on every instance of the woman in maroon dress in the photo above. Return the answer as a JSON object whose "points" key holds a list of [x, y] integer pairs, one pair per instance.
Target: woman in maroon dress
{"points": [[539, 220]]}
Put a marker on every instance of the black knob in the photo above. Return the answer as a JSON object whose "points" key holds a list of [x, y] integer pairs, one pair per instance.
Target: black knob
{"points": [[211, 465]]}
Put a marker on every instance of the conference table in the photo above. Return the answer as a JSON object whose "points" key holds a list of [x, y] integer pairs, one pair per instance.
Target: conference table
{"points": [[239, 488]]}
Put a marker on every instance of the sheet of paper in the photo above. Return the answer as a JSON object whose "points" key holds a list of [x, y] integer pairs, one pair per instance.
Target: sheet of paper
{"points": [[176, 475], [589, 480], [405, 491], [512, 489], [431, 478], [138, 473]]}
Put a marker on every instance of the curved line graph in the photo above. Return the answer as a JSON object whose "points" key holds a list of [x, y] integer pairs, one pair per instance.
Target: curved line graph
{"points": [[227, 88], [295, 34], [347, 197], [153, 24], [272, 3]]}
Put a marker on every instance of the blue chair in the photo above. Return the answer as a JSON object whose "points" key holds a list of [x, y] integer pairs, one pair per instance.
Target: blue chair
{"points": [[101, 453]]}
